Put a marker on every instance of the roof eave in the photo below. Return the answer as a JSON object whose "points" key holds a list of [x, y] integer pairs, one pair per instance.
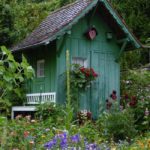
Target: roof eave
{"points": [[27, 47], [62, 31]]}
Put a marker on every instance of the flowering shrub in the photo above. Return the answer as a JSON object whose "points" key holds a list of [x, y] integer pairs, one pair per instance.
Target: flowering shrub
{"points": [[111, 99], [140, 108], [135, 89], [83, 116], [81, 77], [65, 142], [141, 142], [116, 124]]}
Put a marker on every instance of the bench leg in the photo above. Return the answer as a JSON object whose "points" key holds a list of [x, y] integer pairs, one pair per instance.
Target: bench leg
{"points": [[12, 114]]}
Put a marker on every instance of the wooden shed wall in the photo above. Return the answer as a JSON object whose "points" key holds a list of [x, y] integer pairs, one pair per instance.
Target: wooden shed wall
{"points": [[101, 55], [48, 82]]}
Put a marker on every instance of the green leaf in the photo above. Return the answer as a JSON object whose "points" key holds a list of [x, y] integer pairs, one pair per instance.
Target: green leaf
{"points": [[4, 50], [2, 70], [8, 76]]}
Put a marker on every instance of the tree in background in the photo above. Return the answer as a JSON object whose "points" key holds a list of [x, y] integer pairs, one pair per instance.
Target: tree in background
{"points": [[6, 23], [136, 13]]}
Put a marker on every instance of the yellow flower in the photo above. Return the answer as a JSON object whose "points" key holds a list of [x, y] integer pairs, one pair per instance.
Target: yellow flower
{"points": [[141, 144], [43, 136], [113, 148]]}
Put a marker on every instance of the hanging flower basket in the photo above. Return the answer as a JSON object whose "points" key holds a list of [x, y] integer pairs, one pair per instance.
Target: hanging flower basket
{"points": [[82, 77]]}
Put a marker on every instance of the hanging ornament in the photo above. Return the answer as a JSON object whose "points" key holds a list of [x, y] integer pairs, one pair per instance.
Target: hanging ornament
{"points": [[91, 33]]}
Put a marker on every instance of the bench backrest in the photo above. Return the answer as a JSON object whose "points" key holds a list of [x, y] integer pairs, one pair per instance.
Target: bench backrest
{"points": [[38, 98]]}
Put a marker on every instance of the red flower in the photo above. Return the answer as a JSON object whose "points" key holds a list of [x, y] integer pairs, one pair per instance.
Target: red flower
{"points": [[134, 98], [87, 74], [126, 96], [89, 115], [113, 96], [95, 74], [132, 103], [82, 69]]}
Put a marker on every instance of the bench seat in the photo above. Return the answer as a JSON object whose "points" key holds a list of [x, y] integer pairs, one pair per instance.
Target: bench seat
{"points": [[33, 100]]}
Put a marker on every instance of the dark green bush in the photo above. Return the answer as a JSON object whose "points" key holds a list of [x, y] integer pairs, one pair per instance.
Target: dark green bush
{"points": [[117, 125]]}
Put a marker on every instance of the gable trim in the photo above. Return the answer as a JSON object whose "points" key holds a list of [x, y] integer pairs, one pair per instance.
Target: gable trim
{"points": [[122, 24]]}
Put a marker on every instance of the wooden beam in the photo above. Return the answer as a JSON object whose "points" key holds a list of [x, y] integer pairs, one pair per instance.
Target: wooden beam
{"points": [[122, 49]]}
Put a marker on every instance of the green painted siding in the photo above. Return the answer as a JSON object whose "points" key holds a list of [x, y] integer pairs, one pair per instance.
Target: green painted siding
{"points": [[100, 54], [46, 83]]}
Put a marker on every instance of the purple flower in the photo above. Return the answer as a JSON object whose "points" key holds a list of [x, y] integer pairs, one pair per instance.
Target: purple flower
{"points": [[64, 143], [60, 136], [75, 138], [92, 146], [49, 145]]}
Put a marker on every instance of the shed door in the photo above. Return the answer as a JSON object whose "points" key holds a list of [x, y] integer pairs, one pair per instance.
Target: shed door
{"points": [[108, 80]]}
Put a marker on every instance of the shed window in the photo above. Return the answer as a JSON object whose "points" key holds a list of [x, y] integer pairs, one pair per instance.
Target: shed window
{"points": [[40, 68], [80, 60]]}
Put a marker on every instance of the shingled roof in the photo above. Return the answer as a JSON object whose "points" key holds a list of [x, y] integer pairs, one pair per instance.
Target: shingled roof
{"points": [[58, 22]]}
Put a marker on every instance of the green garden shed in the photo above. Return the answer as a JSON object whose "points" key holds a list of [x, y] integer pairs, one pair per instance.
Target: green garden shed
{"points": [[94, 34]]}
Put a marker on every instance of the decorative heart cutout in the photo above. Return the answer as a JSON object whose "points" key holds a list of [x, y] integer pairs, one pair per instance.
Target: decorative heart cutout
{"points": [[92, 34]]}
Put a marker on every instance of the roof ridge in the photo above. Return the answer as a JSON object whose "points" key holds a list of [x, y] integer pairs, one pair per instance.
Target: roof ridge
{"points": [[65, 6]]}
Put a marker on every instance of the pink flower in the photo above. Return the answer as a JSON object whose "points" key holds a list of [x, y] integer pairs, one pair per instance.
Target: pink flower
{"points": [[26, 134]]}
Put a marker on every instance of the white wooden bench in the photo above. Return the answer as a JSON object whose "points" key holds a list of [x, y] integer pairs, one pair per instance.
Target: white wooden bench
{"points": [[32, 100]]}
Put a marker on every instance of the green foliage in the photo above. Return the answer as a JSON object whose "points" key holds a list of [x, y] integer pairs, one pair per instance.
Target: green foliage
{"points": [[16, 15], [50, 111], [136, 14], [136, 84], [141, 142], [69, 110], [90, 131], [3, 131], [81, 77], [23, 133], [6, 23], [12, 75], [117, 125]]}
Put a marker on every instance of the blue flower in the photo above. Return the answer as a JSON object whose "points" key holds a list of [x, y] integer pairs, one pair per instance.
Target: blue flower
{"points": [[51, 143], [75, 138], [64, 142], [92, 146], [60, 136]]}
